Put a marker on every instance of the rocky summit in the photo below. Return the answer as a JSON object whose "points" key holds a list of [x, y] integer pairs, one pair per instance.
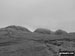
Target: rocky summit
{"points": [[43, 31], [19, 41]]}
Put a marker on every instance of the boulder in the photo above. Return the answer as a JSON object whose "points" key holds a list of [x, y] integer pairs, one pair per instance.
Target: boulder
{"points": [[43, 31], [60, 32], [18, 28]]}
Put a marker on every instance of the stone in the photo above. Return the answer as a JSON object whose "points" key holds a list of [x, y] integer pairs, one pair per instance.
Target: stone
{"points": [[60, 32], [43, 31]]}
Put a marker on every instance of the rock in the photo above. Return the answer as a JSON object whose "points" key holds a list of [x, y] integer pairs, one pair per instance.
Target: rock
{"points": [[18, 28], [42, 31], [15, 41], [60, 32]]}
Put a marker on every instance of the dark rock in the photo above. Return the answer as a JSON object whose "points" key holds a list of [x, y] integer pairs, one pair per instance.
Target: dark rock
{"points": [[19, 41], [18, 28], [60, 32], [43, 31]]}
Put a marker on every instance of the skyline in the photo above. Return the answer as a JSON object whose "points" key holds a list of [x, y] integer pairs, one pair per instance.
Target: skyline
{"points": [[50, 14]]}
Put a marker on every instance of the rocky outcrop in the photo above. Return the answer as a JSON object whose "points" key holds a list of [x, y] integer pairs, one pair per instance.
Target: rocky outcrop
{"points": [[43, 31], [17, 28], [60, 32], [25, 43]]}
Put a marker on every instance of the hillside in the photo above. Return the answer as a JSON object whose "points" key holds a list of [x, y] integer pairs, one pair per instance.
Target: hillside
{"points": [[19, 41]]}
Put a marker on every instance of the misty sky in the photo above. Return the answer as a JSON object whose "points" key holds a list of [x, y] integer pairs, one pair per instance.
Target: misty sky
{"points": [[50, 14]]}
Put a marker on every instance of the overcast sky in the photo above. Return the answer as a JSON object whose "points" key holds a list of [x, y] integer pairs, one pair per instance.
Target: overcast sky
{"points": [[51, 14]]}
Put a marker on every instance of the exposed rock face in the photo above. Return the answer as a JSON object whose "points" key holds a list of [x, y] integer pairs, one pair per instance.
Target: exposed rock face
{"points": [[18, 28], [60, 32], [32, 44], [43, 31]]}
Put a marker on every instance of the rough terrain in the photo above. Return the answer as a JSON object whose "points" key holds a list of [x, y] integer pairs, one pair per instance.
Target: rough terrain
{"points": [[19, 41]]}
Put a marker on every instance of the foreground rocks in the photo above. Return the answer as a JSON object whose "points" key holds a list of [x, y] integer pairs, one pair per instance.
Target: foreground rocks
{"points": [[18, 42]]}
